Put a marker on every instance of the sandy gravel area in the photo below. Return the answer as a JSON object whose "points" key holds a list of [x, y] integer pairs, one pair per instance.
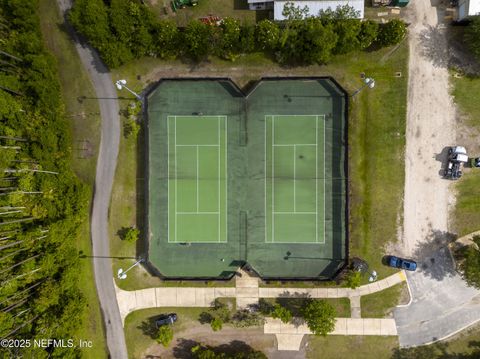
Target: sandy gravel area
{"points": [[430, 128]]}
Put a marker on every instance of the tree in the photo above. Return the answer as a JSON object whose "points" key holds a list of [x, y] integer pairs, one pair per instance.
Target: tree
{"points": [[230, 39], [165, 335], [267, 35], [292, 12], [197, 40], [319, 316], [354, 279], [90, 18], [392, 32], [282, 313], [165, 39], [131, 235], [472, 36], [216, 324], [471, 266], [368, 33], [346, 24]]}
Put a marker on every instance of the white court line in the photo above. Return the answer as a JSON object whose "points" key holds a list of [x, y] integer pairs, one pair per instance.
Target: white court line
{"points": [[168, 180], [198, 168], [265, 175], [294, 178], [218, 145], [175, 118], [273, 179], [198, 213], [324, 178], [218, 164], [316, 180], [296, 144], [225, 119], [198, 145], [295, 212]]}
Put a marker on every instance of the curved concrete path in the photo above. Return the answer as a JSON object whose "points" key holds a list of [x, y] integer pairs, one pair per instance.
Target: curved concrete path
{"points": [[129, 301], [106, 163]]}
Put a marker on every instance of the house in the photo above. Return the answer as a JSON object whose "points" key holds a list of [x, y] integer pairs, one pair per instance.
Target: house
{"points": [[467, 8], [314, 6]]}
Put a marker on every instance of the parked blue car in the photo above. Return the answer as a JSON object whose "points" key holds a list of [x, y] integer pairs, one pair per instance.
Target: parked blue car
{"points": [[402, 263]]}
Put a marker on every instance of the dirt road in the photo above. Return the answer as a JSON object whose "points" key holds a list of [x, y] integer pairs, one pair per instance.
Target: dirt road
{"points": [[430, 127]]}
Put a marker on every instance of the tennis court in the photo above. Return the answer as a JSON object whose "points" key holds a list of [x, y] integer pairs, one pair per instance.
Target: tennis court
{"points": [[197, 173], [256, 178], [295, 179]]}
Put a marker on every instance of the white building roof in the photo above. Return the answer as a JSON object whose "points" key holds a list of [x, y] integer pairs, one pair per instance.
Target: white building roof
{"points": [[314, 7], [474, 8]]}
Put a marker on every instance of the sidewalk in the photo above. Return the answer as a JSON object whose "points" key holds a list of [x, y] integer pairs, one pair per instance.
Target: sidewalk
{"points": [[246, 292], [289, 336]]}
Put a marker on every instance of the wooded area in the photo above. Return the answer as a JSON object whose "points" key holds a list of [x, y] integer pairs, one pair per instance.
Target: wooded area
{"points": [[127, 29], [42, 203]]}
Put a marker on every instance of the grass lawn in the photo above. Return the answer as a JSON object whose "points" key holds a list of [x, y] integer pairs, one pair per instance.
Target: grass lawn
{"points": [[381, 304], [466, 93], [341, 305], [464, 345], [351, 347], [237, 9], [85, 122], [140, 328], [376, 132]]}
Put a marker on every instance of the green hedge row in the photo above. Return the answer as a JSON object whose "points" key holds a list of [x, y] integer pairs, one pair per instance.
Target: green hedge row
{"points": [[126, 29]]}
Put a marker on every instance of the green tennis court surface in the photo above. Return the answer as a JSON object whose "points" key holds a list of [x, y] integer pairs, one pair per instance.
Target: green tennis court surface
{"points": [[255, 179], [295, 172], [197, 173]]}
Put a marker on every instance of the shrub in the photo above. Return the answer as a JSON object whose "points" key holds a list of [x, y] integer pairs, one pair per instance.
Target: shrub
{"points": [[216, 324], [354, 279], [282, 313], [391, 33], [472, 36], [319, 316], [165, 335]]}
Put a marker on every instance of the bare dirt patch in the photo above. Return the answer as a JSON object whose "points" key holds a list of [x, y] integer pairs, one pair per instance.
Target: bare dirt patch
{"points": [[230, 339]]}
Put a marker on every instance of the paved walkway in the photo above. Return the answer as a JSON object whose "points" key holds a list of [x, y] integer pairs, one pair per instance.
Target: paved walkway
{"points": [[248, 292], [289, 336]]}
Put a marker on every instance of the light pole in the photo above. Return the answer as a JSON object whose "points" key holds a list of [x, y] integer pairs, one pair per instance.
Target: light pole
{"points": [[121, 274], [123, 84], [368, 82]]}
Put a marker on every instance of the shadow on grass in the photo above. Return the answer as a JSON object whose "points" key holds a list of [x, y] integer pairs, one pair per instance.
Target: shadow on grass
{"points": [[183, 350]]}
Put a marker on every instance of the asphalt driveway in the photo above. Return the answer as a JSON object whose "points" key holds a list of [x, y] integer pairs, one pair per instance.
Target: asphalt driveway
{"points": [[442, 303]]}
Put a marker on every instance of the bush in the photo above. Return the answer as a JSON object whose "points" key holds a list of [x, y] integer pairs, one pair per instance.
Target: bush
{"points": [[391, 33], [353, 279], [368, 34], [472, 36], [165, 335], [197, 40], [319, 316], [282, 313], [216, 324], [246, 318], [166, 40], [471, 267], [267, 35], [129, 234]]}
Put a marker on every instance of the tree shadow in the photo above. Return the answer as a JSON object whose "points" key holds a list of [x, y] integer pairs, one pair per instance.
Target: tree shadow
{"points": [[434, 46], [149, 328], [205, 318], [183, 349], [433, 256], [122, 232]]}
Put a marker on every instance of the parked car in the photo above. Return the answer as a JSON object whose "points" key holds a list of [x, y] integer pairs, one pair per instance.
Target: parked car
{"points": [[166, 319], [402, 263]]}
